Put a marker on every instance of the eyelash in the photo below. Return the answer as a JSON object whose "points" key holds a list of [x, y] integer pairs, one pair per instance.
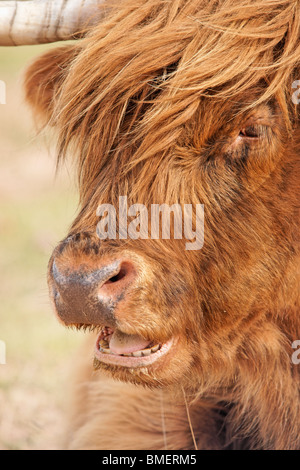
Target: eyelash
{"points": [[252, 132]]}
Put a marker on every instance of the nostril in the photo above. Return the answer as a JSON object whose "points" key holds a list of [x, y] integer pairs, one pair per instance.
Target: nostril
{"points": [[118, 277], [106, 281], [90, 292], [119, 281]]}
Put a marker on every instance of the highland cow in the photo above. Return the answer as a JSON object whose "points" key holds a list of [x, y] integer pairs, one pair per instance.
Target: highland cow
{"points": [[181, 102]]}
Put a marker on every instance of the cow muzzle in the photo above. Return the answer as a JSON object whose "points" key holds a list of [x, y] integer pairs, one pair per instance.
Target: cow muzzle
{"points": [[90, 294], [97, 287]]}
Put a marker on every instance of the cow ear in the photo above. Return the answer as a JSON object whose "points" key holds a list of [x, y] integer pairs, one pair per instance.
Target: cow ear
{"points": [[44, 79]]}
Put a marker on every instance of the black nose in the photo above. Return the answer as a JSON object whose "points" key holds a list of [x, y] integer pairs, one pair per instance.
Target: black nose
{"points": [[85, 296]]}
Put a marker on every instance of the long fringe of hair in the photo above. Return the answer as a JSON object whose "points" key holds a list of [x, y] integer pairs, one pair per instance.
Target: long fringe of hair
{"points": [[139, 76]]}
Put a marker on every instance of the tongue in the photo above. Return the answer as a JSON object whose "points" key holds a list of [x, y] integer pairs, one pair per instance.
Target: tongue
{"points": [[120, 343]]}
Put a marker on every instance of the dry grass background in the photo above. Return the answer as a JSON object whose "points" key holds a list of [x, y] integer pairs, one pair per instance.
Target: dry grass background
{"points": [[36, 209]]}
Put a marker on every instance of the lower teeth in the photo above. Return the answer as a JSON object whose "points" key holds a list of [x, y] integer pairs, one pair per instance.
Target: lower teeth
{"points": [[103, 347]]}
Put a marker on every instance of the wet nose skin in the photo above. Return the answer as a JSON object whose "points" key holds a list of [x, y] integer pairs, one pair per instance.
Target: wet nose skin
{"points": [[90, 297]]}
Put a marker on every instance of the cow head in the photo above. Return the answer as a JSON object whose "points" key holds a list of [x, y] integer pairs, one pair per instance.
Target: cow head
{"points": [[182, 102]]}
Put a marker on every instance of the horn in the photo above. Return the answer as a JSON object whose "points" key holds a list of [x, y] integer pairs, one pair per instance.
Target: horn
{"points": [[44, 21]]}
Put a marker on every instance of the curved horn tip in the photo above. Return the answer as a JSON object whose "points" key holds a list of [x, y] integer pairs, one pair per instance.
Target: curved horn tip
{"points": [[45, 21]]}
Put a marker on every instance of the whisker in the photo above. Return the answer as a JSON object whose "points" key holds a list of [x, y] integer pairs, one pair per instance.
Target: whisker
{"points": [[84, 327], [163, 422], [189, 418]]}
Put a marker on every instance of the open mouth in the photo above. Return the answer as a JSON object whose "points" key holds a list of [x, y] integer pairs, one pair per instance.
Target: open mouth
{"points": [[118, 348]]}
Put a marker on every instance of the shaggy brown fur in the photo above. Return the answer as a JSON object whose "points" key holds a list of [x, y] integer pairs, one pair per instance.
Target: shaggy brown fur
{"points": [[188, 101]]}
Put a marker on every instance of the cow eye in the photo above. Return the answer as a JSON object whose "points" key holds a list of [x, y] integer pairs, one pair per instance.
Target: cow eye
{"points": [[252, 132]]}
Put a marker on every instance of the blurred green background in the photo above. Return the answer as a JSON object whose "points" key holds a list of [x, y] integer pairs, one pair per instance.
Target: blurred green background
{"points": [[36, 209]]}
